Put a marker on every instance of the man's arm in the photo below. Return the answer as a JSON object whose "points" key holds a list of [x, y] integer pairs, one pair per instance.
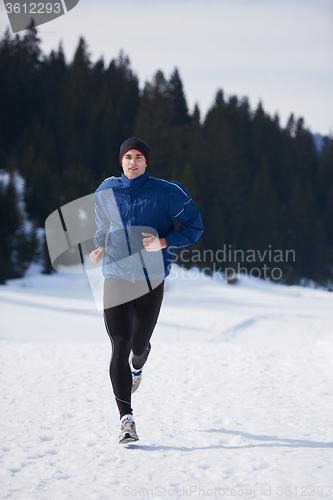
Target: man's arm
{"points": [[186, 212], [101, 219]]}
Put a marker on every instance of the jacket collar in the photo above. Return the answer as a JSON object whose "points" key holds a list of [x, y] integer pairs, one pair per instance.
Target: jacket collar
{"points": [[137, 182]]}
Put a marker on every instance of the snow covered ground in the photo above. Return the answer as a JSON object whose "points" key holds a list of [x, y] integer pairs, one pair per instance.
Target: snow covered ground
{"points": [[236, 399]]}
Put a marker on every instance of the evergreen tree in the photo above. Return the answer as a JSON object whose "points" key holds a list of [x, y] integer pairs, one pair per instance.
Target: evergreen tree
{"points": [[18, 243], [328, 216], [306, 234], [324, 178], [325, 187], [118, 104], [180, 109], [20, 69], [305, 153], [154, 125], [263, 214], [228, 165]]}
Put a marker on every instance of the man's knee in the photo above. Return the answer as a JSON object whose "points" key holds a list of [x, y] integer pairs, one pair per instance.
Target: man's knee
{"points": [[121, 347]]}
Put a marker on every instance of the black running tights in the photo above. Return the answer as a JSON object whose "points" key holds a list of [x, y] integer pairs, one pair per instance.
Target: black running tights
{"points": [[130, 327]]}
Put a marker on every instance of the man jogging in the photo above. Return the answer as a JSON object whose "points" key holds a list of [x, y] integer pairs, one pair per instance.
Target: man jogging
{"points": [[135, 235]]}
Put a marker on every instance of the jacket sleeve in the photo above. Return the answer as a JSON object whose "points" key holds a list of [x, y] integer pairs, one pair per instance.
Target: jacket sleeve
{"points": [[186, 212], [102, 221]]}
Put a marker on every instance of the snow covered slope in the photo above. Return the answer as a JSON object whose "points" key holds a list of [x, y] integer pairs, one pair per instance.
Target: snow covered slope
{"points": [[236, 399]]}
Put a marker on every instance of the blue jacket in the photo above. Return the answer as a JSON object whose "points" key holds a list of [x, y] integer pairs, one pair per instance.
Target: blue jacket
{"points": [[125, 208]]}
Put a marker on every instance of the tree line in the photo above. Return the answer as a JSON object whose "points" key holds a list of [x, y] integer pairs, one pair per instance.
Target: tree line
{"points": [[258, 185]]}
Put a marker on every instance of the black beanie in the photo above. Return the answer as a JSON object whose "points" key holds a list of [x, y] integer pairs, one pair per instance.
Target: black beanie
{"points": [[134, 143]]}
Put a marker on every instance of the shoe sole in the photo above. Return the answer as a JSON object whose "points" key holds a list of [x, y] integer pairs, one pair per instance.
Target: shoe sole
{"points": [[128, 439]]}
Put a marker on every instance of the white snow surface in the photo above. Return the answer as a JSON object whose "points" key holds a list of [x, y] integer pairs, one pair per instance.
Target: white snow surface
{"points": [[236, 399]]}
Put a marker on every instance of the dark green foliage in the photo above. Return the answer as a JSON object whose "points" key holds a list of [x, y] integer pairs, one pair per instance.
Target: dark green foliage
{"points": [[18, 244], [263, 214], [258, 186], [324, 187], [177, 96], [227, 167]]}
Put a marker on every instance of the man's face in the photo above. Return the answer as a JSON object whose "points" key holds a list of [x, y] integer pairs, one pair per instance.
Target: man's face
{"points": [[133, 163]]}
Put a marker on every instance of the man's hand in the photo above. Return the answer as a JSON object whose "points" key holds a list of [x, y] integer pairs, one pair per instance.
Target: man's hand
{"points": [[152, 243], [96, 255]]}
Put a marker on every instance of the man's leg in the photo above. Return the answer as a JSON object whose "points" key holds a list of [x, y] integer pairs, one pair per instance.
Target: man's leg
{"points": [[146, 311], [118, 323], [129, 325]]}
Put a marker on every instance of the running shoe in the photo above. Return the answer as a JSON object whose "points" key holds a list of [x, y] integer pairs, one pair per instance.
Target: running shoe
{"points": [[136, 375], [128, 431]]}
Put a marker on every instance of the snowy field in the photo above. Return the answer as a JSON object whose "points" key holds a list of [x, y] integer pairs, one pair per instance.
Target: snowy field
{"points": [[236, 399]]}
